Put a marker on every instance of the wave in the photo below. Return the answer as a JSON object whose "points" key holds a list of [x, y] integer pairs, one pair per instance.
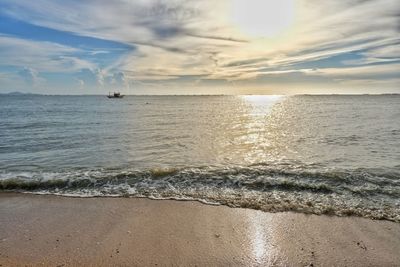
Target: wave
{"points": [[361, 192]]}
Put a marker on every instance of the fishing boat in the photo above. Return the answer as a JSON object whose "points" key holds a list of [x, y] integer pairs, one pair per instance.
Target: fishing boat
{"points": [[115, 95]]}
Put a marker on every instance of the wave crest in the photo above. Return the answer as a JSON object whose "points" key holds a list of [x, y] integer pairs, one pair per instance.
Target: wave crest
{"points": [[367, 193]]}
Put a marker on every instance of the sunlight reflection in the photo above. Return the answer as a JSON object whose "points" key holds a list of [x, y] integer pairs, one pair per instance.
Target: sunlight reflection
{"points": [[262, 98], [261, 104], [261, 240], [255, 139]]}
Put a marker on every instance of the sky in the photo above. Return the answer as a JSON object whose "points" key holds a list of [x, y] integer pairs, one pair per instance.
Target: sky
{"points": [[200, 47]]}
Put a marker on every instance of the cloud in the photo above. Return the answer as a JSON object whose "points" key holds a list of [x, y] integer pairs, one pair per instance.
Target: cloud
{"points": [[118, 78], [372, 71], [42, 56], [81, 83], [191, 41], [383, 54], [100, 78], [218, 38], [29, 75]]}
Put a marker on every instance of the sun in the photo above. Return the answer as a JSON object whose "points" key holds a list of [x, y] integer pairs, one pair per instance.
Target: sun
{"points": [[262, 18]]}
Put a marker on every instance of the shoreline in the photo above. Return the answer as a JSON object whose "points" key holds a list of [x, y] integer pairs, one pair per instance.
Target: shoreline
{"points": [[70, 231]]}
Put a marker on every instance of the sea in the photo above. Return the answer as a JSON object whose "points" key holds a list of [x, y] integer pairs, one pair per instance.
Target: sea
{"points": [[314, 154]]}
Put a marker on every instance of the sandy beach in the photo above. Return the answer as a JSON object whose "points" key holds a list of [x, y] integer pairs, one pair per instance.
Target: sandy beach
{"points": [[60, 231]]}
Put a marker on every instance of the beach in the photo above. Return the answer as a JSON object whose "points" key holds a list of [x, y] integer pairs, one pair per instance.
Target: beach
{"points": [[41, 230], [200, 133]]}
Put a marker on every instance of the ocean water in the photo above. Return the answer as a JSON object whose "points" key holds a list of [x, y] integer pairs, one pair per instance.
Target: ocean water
{"points": [[336, 155]]}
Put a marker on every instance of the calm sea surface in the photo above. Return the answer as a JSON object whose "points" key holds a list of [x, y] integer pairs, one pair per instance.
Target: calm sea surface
{"points": [[314, 154]]}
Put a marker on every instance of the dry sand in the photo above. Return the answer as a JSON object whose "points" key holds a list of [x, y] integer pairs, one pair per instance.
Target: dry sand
{"points": [[60, 231]]}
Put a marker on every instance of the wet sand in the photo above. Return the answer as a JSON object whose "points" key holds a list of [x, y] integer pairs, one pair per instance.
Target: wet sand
{"points": [[59, 231]]}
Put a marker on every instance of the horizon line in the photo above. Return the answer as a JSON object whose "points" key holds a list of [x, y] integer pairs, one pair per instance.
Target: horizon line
{"points": [[16, 93]]}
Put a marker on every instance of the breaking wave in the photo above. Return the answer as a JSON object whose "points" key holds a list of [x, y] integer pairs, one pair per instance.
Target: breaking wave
{"points": [[370, 193]]}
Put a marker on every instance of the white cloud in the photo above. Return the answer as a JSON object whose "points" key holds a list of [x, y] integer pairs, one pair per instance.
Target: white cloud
{"points": [[388, 53], [363, 71], [29, 75], [178, 38], [41, 56], [81, 83]]}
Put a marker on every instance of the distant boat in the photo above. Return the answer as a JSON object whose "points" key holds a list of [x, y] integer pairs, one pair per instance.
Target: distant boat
{"points": [[115, 95]]}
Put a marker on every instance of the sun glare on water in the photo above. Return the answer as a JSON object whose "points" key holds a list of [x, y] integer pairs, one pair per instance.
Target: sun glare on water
{"points": [[262, 18]]}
